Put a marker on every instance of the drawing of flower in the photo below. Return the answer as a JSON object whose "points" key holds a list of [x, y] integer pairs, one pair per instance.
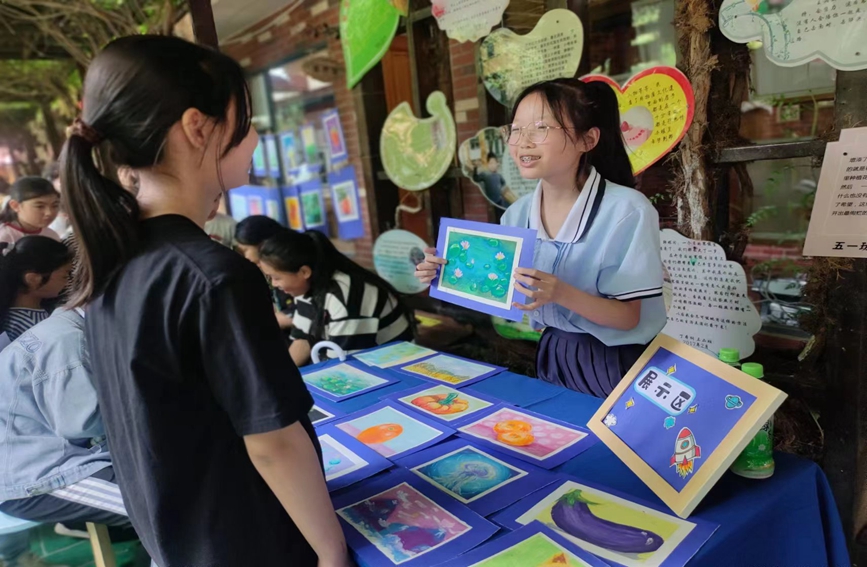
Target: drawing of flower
{"points": [[493, 276], [458, 273], [464, 244], [500, 256], [610, 420]]}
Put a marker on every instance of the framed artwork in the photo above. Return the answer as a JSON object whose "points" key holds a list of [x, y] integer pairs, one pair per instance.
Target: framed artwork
{"points": [[529, 436], [679, 419], [260, 161], [611, 525], [313, 206], [323, 412], [483, 480], [392, 431], [533, 545], [450, 369], [272, 156], [444, 403], [347, 207], [338, 381], [292, 202], [289, 151], [398, 519], [238, 204], [334, 134], [255, 205], [309, 144], [393, 354], [481, 260], [345, 460]]}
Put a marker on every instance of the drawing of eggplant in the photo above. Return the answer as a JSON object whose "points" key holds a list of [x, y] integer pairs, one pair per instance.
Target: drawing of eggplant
{"points": [[571, 513]]}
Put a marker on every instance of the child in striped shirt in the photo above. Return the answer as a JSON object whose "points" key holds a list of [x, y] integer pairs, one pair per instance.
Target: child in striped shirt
{"points": [[36, 268], [336, 299]]}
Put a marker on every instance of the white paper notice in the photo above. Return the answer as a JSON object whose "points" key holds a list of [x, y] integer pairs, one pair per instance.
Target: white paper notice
{"points": [[838, 224], [395, 256], [468, 20], [794, 32], [710, 308]]}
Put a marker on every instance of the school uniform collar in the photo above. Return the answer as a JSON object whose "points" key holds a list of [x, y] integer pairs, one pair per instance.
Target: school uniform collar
{"points": [[581, 216]]}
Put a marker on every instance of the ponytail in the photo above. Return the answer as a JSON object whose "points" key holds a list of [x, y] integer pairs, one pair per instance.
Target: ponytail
{"points": [[32, 254], [135, 91], [104, 219], [582, 106]]}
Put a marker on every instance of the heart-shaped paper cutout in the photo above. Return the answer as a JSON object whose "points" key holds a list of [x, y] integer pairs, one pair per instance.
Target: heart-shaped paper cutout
{"points": [[512, 62], [464, 20], [486, 161], [415, 152], [795, 32], [656, 108], [366, 30]]}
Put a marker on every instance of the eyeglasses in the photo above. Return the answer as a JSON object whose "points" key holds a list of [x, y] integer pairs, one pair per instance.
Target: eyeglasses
{"points": [[536, 133]]}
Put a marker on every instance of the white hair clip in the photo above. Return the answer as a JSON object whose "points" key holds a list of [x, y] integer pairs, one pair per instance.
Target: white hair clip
{"points": [[9, 247]]}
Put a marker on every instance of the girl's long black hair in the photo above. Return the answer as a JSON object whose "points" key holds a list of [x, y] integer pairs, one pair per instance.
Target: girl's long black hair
{"points": [[30, 255], [289, 250], [256, 229], [135, 90], [25, 189], [581, 106]]}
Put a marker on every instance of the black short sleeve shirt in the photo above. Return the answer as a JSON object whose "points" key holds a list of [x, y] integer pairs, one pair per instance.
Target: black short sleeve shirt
{"points": [[188, 359]]}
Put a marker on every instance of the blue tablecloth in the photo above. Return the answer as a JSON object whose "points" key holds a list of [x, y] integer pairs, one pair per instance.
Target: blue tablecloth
{"points": [[788, 520]]}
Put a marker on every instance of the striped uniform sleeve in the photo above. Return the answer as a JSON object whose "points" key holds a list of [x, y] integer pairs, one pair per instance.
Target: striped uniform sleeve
{"points": [[302, 324], [376, 320], [632, 265]]}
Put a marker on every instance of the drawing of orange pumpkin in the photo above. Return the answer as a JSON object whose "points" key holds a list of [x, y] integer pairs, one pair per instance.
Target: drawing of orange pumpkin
{"points": [[514, 432], [380, 433], [442, 404]]}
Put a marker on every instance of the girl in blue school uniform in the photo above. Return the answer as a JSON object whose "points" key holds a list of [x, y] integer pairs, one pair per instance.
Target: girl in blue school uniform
{"points": [[596, 281]]}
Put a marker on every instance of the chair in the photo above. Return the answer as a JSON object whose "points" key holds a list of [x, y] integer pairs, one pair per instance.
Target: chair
{"points": [[103, 554]]}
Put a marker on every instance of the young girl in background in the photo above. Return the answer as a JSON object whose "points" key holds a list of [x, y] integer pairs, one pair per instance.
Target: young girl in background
{"points": [[596, 281], [35, 269], [205, 413], [33, 205], [249, 236], [336, 299]]}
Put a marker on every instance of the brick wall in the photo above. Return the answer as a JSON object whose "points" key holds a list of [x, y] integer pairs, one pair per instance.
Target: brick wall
{"points": [[294, 31], [465, 86]]}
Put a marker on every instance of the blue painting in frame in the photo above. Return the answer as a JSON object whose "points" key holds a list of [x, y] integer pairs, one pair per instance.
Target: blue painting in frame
{"points": [[450, 369], [533, 545], [618, 528], [347, 206], [483, 480], [482, 258], [292, 207], [338, 380], [334, 134], [289, 151], [260, 160], [313, 206], [345, 460], [272, 155], [238, 204], [398, 519]]}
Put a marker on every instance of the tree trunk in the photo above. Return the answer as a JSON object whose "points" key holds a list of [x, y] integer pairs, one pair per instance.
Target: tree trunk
{"points": [[55, 140]]}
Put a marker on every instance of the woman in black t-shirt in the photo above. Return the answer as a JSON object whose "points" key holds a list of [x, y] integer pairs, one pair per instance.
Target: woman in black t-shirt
{"points": [[206, 414]]}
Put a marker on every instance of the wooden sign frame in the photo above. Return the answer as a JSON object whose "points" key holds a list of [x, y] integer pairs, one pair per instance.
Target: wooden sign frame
{"points": [[715, 464]]}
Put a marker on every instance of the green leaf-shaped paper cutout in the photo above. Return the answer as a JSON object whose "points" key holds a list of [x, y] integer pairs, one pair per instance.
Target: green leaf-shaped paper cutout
{"points": [[416, 153], [366, 30], [512, 62]]}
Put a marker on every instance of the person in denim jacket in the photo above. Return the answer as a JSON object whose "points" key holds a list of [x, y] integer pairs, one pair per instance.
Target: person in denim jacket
{"points": [[54, 460]]}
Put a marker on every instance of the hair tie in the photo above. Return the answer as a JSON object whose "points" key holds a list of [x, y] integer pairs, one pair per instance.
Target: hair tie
{"points": [[81, 129]]}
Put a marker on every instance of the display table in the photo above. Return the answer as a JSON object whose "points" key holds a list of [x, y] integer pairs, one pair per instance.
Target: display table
{"points": [[785, 521]]}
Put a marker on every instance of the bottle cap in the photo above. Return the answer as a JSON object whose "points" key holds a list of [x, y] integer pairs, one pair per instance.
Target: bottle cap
{"points": [[754, 369], [729, 355]]}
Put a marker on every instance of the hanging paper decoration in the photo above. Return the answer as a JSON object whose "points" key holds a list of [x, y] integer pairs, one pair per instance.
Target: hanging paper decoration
{"points": [[795, 32], [334, 134], [656, 108], [347, 207], [710, 307], [468, 20], [512, 62], [415, 152], [486, 161], [272, 156], [292, 203], [313, 206], [395, 256], [366, 30], [260, 162]]}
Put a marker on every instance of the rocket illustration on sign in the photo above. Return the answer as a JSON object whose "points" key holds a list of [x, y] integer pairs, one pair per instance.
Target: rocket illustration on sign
{"points": [[685, 452]]}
